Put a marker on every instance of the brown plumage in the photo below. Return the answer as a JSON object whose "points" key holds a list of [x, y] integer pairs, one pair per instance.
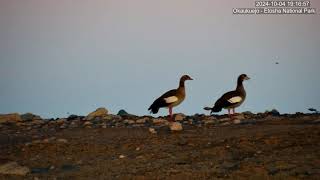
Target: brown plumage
{"points": [[232, 99], [171, 98]]}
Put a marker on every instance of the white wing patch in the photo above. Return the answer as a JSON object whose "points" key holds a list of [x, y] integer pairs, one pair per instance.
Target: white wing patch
{"points": [[235, 99], [171, 99]]}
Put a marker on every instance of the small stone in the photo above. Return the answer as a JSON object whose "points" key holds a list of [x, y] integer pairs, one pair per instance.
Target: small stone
{"points": [[159, 121], [224, 119], [248, 113], [72, 117], [239, 117], [13, 168], [73, 125], [36, 141], [108, 118], [127, 121], [141, 121], [103, 125], [236, 121], [273, 112], [122, 112], [225, 124], [87, 123], [175, 126], [210, 121], [62, 140], [259, 152], [61, 121], [63, 127], [138, 149], [38, 122], [122, 156], [152, 131], [15, 117], [100, 112], [179, 117], [30, 117], [229, 165]]}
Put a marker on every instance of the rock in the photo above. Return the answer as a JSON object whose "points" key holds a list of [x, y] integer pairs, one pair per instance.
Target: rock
{"points": [[127, 121], [141, 121], [72, 117], [87, 123], [108, 118], [175, 126], [273, 112], [210, 121], [61, 121], [122, 156], [122, 112], [36, 141], [14, 117], [179, 117], [152, 131], [224, 119], [248, 113], [38, 122], [225, 124], [62, 140], [100, 112], [30, 117], [236, 121], [13, 168], [159, 121], [63, 126], [73, 125], [239, 117], [229, 165]]}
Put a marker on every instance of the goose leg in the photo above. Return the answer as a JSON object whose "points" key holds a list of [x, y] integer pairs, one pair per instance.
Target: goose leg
{"points": [[229, 112], [170, 112]]}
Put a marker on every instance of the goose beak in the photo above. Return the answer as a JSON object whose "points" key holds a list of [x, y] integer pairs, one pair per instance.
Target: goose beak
{"points": [[247, 78]]}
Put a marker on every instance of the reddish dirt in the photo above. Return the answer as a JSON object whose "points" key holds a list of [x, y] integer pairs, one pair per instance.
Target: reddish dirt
{"points": [[275, 149]]}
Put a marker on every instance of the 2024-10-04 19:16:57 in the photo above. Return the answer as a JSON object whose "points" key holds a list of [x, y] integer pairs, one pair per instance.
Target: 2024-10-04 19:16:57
{"points": [[282, 3]]}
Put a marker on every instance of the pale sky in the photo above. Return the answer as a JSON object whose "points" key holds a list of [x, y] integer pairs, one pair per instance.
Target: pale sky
{"points": [[77, 55]]}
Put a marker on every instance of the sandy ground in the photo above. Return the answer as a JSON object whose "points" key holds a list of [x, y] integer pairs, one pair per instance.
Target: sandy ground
{"points": [[274, 149]]}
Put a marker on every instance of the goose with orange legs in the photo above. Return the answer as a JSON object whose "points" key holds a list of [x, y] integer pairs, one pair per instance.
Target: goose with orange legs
{"points": [[171, 98]]}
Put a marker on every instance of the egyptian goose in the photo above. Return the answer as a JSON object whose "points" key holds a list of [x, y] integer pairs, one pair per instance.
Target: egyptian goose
{"points": [[232, 99], [171, 98]]}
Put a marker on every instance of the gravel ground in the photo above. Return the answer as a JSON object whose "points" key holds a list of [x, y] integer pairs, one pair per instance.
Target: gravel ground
{"points": [[271, 148]]}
